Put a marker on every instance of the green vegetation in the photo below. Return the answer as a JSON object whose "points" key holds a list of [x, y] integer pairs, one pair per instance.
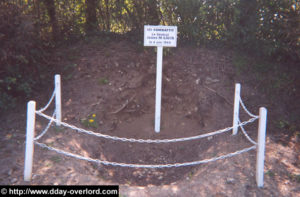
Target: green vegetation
{"points": [[58, 129], [31, 30], [270, 173], [90, 121], [55, 159], [103, 81], [294, 177]]}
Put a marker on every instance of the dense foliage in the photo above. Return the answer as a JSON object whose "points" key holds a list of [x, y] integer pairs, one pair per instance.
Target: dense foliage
{"points": [[29, 27]]}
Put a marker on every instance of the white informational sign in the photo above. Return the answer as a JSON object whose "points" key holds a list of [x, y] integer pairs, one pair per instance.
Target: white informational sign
{"points": [[165, 36], [159, 36]]}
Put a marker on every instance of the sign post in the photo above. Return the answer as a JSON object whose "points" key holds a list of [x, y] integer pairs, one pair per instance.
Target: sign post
{"points": [[159, 36]]}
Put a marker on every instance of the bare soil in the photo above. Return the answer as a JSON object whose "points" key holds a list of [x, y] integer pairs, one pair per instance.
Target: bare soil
{"points": [[116, 82]]}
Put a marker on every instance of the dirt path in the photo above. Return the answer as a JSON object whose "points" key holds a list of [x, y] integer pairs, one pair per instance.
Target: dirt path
{"points": [[116, 82]]}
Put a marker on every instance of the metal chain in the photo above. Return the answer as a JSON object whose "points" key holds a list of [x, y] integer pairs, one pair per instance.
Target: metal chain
{"points": [[145, 165], [246, 134], [143, 140], [47, 127], [48, 104], [246, 110]]}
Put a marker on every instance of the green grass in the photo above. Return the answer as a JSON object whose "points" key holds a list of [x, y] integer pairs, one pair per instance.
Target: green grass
{"points": [[69, 76], [90, 121], [58, 129], [70, 66], [284, 124], [270, 173], [56, 159], [190, 174], [103, 81], [281, 124], [294, 177]]}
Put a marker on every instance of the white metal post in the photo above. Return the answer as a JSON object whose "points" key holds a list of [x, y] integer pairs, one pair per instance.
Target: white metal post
{"points": [[58, 99], [236, 106], [29, 149], [158, 88], [260, 157]]}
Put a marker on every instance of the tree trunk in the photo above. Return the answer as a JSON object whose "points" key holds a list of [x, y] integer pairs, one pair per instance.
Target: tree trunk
{"points": [[52, 15], [248, 21], [107, 16], [153, 13], [91, 17]]}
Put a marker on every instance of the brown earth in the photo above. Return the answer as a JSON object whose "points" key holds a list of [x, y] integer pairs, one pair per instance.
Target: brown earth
{"points": [[116, 82]]}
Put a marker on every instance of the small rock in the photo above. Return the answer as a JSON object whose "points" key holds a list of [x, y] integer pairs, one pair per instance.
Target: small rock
{"points": [[210, 137], [10, 172], [160, 177], [209, 80], [14, 180], [230, 180], [197, 81]]}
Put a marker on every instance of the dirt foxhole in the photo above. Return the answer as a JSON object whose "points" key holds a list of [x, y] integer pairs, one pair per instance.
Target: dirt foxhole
{"points": [[116, 83]]}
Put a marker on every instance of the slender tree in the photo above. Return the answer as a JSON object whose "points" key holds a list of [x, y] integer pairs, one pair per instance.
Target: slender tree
{"points": [[107, 16], [50, 5], [153, 12], [91, 17]]}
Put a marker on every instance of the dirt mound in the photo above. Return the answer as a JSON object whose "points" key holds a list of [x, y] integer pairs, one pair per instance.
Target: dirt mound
{"points": [[116, 83]]}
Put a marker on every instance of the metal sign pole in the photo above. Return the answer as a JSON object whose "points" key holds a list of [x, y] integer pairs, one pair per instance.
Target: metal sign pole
{"points": [[158, 88]]}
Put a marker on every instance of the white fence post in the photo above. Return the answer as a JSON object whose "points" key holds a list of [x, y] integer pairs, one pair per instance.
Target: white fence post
{"points": [[158, 88], [58, 99], [236, 106], [29, 149], [260, 157]]}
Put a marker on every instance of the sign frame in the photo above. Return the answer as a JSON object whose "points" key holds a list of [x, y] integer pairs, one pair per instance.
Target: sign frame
{"points": [[163, 36]]}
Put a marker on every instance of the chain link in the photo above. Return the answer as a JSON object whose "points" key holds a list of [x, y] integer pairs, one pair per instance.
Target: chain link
{"points": [[52, 119], [47, 127], [80, 130], [145, 165], [48, 104], [246, 110], [246, 134]]}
